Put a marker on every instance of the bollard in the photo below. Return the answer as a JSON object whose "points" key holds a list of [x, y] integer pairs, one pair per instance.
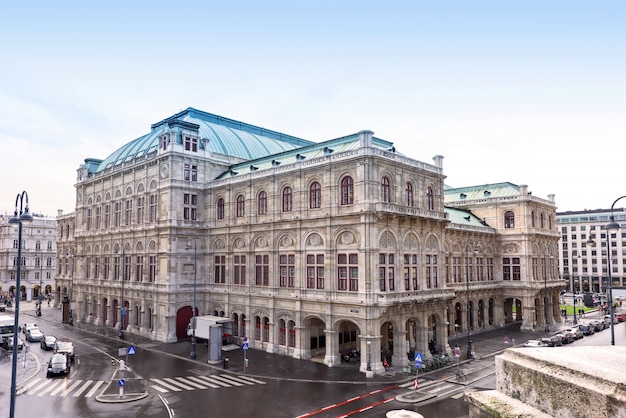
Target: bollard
{"points": [[226, 360]]}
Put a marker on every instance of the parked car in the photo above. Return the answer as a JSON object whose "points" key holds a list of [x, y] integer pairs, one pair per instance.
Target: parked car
{"points": [[587, 329], [47, 342], [576, 332], [64, 347], [535, 343], [566, 337], [553, 341], [58, 364], [7, 343], [28, 326], [34, 334], [621, 317], [598, 325]]}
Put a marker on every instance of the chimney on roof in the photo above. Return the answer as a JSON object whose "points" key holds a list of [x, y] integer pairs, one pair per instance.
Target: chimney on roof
{"points": [[365, 137], [438, 159], [523, 190]]}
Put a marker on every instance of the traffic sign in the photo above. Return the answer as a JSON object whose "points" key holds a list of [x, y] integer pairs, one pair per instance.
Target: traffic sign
{"points": [[132, 350], [121, 382], [124, 311], [457, 352], [244, 345], [418, 359]]}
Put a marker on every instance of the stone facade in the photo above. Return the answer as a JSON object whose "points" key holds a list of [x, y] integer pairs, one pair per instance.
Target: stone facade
{"points": [[311, 251], [39, 257]]}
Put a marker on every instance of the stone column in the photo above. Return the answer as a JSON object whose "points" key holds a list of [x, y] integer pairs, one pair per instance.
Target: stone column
{"points": [[332, 348]]}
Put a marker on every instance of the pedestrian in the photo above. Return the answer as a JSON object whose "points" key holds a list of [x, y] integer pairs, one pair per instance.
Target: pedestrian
{"points": [[48, 302]]}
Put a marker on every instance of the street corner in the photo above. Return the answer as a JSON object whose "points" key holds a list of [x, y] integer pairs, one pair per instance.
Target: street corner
{"points": [[414, 396]]}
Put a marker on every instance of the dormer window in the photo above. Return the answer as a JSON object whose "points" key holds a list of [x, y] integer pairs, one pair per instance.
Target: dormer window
{"points": [[191, 144]]}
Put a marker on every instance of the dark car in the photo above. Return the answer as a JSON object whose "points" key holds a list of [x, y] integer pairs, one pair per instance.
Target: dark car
{"points": [[598, 325], [566, 337], [587, 329], [553, 341], [65, 347], [58, 364], [47, 342]]}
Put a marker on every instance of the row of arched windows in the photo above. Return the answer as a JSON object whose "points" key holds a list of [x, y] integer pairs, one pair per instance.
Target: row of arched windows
{"points": [[509, 220], [315, 197]]}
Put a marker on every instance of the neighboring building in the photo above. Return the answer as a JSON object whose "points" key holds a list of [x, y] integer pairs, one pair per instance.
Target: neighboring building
{"points": [[311, 248], [38, 257], [585, 267]]}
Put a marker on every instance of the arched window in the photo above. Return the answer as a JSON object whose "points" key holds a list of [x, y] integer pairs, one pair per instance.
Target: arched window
{"points": [[509, 219], [235, 325], [347, 191], [315, 195], [532, 218], [241, 206], [282, 340], [430, 198], [409, 194], [220, 208], [385, 189], [257, 328], [262, 203], [292, 333], [541, 220], [266, 330], [550, 222], [287, 199]]}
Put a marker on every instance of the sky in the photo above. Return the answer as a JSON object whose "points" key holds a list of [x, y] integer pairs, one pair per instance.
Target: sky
{"points": [[529, 92]]}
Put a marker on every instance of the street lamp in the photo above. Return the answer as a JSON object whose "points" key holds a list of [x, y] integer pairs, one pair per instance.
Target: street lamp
{"points": [[70, 253], [467, 294], [20, 217], [193, 310], [610, 228], [123, 309]]}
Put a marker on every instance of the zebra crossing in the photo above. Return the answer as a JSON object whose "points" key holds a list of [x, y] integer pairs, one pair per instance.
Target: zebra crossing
{"points": [[89, 388], [433, 387]]}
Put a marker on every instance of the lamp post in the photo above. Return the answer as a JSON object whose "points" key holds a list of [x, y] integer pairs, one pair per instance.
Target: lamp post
{"points": [[20, 217], [123, 309], [467, 294], [70, 253], [369, 356], [193, 309], [610, 228], [545, 290]]}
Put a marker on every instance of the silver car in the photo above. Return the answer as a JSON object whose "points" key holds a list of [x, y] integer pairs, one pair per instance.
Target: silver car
{"points": [[34, 334]]}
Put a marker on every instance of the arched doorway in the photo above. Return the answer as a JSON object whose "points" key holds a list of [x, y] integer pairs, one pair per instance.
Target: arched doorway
{"points": [[183, 317]]}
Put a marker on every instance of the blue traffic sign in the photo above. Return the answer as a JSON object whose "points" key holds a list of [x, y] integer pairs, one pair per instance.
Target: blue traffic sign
{"points": [[124, 311], [244, 345], [132, 350], [121, 382], [418, 359]]}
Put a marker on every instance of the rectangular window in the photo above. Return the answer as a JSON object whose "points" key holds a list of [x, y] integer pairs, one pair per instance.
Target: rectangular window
{"points": [[105, 267], [96, 267], [87, 267], [386, 271], [129, 212], [262, 270], [220, 269], [141, 209], [432, 281], [187, 172], [480, 271], [191, 144], [98, 217], [89, 219], [348, 272], [315, 271], [190, 203], [153, 208], [152, 268], [511, 269], [239, 269], [107, 215], [116, 268], [117, 216], [287, 270], [139, 269]]}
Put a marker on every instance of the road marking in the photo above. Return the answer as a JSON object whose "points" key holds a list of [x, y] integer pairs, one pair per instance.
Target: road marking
{"points": [[27, 386], [162, 383], [71, 388], [458, 395], [260, 382], [83, 388], [49, 388], [94, 389], [219, 382], [206, 381], [237, 379], [176, 382], [191, 382], [228, 380], [62, 387]]}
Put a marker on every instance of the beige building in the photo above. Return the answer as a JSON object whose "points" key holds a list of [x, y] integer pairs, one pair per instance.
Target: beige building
{"points": [[38, 257], [311, 248]]}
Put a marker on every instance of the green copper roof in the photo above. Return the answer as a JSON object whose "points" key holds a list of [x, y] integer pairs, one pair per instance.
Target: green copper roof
{"points": [[485, 191], [216, 133]]}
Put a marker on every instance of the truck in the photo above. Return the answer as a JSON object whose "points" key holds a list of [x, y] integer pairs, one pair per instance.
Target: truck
{"points": [[204, 324]]}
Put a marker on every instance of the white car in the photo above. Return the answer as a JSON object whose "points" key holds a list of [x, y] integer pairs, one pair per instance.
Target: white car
{"points": [[34, 334], [535, 343], [28, 326]]}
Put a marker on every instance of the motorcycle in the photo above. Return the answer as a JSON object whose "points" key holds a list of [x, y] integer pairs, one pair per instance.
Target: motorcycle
{"points": [[354, 353], [345, 358]]}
